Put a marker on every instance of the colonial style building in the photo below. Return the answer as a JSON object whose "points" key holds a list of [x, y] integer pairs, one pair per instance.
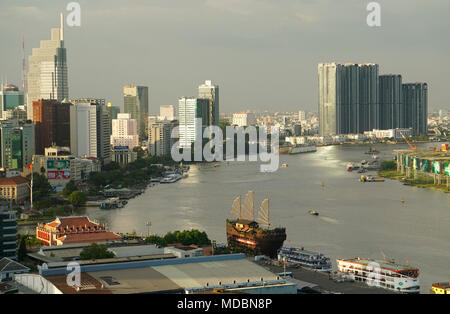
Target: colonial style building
{"points": [[71, 230], [14, 189]]}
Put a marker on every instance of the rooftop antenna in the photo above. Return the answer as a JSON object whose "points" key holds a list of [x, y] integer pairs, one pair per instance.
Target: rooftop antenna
{"points": [[61, 27]]}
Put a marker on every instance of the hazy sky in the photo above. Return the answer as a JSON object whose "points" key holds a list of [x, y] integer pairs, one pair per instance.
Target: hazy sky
{"points": [[262, 53]]}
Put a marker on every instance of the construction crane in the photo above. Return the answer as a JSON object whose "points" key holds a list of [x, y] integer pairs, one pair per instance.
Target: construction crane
{"points": [[406, 140]]}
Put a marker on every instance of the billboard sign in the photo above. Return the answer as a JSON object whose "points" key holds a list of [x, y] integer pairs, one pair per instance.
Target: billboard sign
{"points": [[58, 164], [58, 174]]}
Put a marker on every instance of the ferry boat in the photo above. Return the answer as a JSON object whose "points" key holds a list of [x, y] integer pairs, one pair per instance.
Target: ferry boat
{"points": [[381, 273], [245, 233], [300, 149], [313, 212], [304, 258], [171, 178]]}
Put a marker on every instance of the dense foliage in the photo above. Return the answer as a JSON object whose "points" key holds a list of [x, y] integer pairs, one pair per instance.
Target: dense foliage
{"points": [[41, 187], [388, 165], [77, 198], [186, 237], [69, 188], [95, 251]]}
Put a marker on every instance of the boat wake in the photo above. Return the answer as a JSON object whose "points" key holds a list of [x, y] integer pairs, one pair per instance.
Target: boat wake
{"points": [[329, 220]]}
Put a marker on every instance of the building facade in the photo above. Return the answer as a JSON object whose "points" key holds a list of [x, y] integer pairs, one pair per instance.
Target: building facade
{"points": [[415, 98], [124, 131], [8, 232], [16, 145], [190, 109], [15, 189], [160, 141], [89, 131], [47, 74], [392, 111], [135, 102], [51, 120], [10, 98], [167, 112], [244, 119], [210, 92]]}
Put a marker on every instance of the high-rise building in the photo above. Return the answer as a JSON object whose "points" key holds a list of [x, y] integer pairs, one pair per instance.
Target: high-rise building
{"points": [[211, 92], [415, 99], [135, 102], [159, 136], [392, 114], [113, 111], [89, 131], [348, 98], [16, 145], [8, 232], [51, 120], [124, 132], [190, 109], [10, 98], [47, 74], [167, 112], [302, 115]]}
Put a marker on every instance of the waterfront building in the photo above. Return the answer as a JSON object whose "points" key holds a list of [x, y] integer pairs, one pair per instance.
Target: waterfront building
{"points": [[72, 230], [244, 119], [16, 144], [10, 98], [47, 74], [210, 92], [124, 132], [15, 189], [392, 110], [190, 109], [51, 120], [8, 231], [415, 98], [135, 102], [167, 113], [391, 133], [89, 131], [159, 136]]}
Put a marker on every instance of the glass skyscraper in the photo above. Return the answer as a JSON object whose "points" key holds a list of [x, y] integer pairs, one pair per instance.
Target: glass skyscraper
{"points": [[135, 102], [47, 74], [211, 92]]}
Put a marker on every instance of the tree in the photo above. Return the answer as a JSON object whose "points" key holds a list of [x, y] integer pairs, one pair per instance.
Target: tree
{"points": [[388, 165], [77, 198], [96, 251], [69, 188], [41, 186], [22, 252]]}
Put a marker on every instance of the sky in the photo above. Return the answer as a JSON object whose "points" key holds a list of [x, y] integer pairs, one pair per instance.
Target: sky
{"points": [[263, 54]]}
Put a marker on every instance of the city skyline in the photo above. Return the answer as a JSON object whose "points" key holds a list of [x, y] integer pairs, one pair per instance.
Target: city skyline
{"points": [[247, 74]]}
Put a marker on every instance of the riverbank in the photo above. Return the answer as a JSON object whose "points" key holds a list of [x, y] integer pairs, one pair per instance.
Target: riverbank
{"points": [[420, 182]]}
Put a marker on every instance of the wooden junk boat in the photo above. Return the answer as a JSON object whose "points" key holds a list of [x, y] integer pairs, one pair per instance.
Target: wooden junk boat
{"points": [[245, 233]]}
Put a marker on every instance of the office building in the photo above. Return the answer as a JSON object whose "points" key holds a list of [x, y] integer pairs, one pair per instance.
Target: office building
{"points": [[302, 115], [190, 109], [15, 189], [89, 131], [11, 98], [124, 132], [392, 113], [16, 144], [51, 120], [47, 74], [135, 102], [415, 98], [159, 136], [8, 231], [210, 92]]}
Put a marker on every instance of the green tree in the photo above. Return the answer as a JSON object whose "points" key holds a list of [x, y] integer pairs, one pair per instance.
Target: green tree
{"points": [[388, 165], [41, 186], [22, 252], [69, 188], [96, 251], [77, 198]]}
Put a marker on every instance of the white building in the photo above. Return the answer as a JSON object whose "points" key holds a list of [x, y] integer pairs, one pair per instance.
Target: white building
{"points": [[244, 119], [391, 133], [159, 136], [302, 115], [124, 131], [89, 131], [47, 75], [167, 113], [189, 109]]}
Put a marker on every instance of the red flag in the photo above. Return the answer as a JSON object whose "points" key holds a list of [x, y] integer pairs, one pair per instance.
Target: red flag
{"points": [[30, 166]]}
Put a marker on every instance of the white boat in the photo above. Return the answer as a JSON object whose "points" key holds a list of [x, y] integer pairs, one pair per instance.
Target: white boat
{"points": [[171, 178], [381, 273], [299, 149]]}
